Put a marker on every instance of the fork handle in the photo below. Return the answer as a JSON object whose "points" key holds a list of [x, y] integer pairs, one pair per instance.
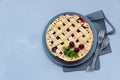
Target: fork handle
{"points": [[97, 52]]}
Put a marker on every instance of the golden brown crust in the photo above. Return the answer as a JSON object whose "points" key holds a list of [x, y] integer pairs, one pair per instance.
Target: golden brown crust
{"points": [[68, 28]]}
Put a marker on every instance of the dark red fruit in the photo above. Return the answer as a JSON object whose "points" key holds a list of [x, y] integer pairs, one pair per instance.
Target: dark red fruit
{"points": [[54, 49], [81, 46], [76, 49], [71, 44], [81, 19]]}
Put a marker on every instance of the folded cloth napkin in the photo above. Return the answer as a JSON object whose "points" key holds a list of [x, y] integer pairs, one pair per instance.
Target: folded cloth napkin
{"points": [[98, 19]]}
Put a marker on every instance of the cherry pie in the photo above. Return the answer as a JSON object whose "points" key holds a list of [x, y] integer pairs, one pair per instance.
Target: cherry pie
{"points": [[69, 37]]}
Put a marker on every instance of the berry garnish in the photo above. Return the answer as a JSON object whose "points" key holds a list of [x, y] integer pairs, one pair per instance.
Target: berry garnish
{"points": [[81, 46], [71, 44], [76, 49]]}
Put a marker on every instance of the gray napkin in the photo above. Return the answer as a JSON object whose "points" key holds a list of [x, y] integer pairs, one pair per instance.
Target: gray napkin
{"points": [[98, 19]]}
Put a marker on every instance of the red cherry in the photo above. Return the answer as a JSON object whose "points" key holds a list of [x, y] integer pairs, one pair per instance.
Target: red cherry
{"points": [[71, 44], [81, 19], [76, 49], [81, 46]]}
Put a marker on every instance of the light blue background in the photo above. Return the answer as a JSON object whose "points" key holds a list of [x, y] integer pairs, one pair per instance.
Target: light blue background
{"points": [[21, 27]]}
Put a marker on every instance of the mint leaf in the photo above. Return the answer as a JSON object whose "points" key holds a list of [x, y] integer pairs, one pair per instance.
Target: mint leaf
{"points": [[68, 48], [75, 54], [71, 54], [68, 52], [65, 52]]}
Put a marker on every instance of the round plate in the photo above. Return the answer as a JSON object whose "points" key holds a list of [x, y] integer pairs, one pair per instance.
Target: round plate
{"points": [[61, 62]]}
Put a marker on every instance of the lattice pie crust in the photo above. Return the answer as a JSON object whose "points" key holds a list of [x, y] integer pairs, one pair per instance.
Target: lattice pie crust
{"points": [[66, 28]]}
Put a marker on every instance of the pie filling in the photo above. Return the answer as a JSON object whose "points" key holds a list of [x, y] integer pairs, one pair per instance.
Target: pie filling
{"points": [[69, 37]]}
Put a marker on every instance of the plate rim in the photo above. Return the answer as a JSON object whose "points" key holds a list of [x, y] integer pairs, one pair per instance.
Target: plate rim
{"points": [[61, 62]]}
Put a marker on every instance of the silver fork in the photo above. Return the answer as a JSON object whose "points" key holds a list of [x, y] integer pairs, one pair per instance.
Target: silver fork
{"points": [[100, 38], [103, 45]]}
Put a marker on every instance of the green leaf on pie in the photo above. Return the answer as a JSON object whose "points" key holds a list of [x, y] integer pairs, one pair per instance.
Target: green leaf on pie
{"points": [[65, 52], [68, 48], [75, 54], [68, 52], [71, 54]]}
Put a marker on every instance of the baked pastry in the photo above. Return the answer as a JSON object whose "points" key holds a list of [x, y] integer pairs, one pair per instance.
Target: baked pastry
{"points": [[69, 37]]}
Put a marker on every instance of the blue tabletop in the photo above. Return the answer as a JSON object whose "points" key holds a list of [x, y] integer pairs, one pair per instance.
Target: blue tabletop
{"points": [[22, 23]]}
